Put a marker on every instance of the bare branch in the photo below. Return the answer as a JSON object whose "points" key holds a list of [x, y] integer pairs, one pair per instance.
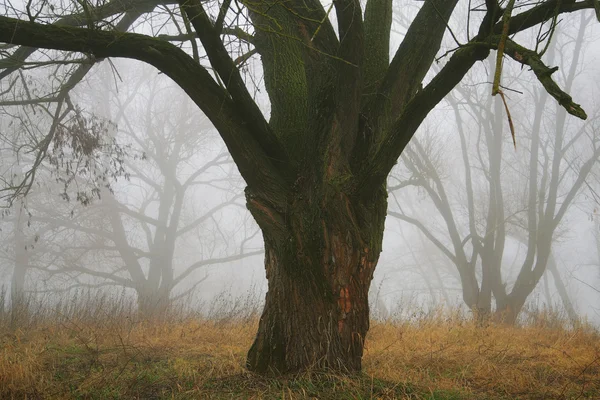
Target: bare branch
{"points": [[214, 261]]}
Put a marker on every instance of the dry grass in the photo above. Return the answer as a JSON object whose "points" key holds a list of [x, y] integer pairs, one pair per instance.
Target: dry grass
{"points": [[533, 362], [433, 357]]}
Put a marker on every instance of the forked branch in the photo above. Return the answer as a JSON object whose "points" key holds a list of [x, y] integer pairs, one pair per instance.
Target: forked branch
{"points": [[544, 75]]}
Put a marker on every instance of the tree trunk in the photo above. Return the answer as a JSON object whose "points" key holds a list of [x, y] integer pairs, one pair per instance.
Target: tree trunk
{"points": [[508, 311], [547, 293], [562, 291], [19, 307], [320, 256], [483, 307], [153, 303]]}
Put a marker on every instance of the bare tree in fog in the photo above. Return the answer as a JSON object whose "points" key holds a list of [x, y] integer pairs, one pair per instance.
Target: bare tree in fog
{"points": [[595, 260], [76, 164], [341, 113], [19, 259], [138, 237], [423, 258], [526, 199]]}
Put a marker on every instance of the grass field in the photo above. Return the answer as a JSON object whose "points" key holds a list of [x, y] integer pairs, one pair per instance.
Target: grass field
{"points": [[436, 356]]}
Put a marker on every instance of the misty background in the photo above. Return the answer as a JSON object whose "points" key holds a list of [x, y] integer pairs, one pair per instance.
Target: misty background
{"points": [[172, 225]]}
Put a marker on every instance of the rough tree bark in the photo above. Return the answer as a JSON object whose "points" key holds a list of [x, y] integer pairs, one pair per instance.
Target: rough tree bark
{"points": [[341, 114], [320, 258]]}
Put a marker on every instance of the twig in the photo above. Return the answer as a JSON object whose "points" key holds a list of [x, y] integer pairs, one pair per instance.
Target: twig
{"points": [[501, 44]]}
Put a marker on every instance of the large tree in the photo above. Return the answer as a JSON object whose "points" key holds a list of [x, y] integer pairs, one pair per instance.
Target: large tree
{"points": [[341, 113]]}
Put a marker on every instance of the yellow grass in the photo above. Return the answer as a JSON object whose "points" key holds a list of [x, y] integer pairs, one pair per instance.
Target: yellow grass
{"points": [[435, 358]]}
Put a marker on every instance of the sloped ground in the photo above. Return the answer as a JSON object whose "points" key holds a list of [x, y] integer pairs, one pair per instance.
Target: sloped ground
{"points": [[434, 357]]}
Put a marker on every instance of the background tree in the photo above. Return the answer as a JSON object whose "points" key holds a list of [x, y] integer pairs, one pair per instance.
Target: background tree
{"points": [[341, 113], [138, 236], [70, 166], [527, 196]]}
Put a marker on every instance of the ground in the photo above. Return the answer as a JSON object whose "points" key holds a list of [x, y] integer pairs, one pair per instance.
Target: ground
{"points": [[436, 356]]}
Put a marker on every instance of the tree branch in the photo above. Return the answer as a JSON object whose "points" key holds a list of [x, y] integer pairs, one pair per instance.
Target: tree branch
{"points": [[213, 261], [586, 168], [383, 160], [426, 232], [257, 168], [183, 37], [544, 75], [206, 216], [339, 140], [544, 11], [227, 70], [379, 164], [133, 9], [378, 24], [414, 56]]}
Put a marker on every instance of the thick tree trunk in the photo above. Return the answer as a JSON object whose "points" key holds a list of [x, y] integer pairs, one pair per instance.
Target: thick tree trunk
{"points": [[319, 259]]}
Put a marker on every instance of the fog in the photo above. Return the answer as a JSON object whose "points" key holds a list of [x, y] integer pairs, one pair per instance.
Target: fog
{"points": [[138, 195]]}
